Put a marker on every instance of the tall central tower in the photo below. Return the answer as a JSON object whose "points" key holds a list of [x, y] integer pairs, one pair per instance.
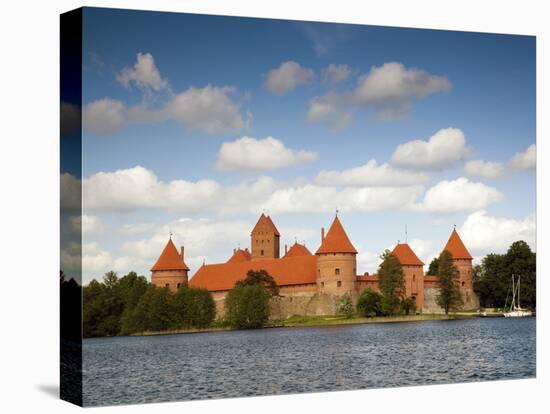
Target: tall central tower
{"points": [[264, 239]]}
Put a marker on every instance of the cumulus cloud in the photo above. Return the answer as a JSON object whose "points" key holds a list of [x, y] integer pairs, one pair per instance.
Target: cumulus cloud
{"points": [[483, 233], [311, 198], [525, 160], [389, 89], [286, 77], [483, 169], [392, 86], [458, 195], [248, 153], [330, 110], [336, 73], [144, 74], [139, 187], [444, 148], [104, 116], [85, 223], [210, 109], [371, 174]]}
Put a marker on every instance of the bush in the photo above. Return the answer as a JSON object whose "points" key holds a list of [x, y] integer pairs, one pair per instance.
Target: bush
{"points": [[370, 303], [408, 306], [194, 308], [345, 307], [247, 306]]}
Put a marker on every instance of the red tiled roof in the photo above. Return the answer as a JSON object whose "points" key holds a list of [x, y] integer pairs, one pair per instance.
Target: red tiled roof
{"points": [[367, 278], [286, 271], [240, 256], [336, 240], [265, 224], [297, 249], [406, 255], [456, 247], [170, 259]]}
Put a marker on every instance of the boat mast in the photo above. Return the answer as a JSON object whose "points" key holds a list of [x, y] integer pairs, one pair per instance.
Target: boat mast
{"points": [[513, 305], [519, 278]]}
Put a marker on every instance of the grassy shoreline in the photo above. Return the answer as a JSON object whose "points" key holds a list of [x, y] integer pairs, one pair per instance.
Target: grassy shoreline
{"points": [[313, 321]]}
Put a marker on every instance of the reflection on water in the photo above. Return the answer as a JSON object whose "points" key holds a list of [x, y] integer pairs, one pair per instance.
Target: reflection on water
{"points": [[291, 360]]}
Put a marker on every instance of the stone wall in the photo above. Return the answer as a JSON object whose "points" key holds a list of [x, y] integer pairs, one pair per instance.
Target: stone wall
{"points": [[471, 301]]}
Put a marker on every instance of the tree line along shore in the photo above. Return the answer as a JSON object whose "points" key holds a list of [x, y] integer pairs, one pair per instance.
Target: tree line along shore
{"points": [[130, 305]]}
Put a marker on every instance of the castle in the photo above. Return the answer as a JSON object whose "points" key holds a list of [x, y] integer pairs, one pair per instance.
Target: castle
{"points": [[311, 284]]}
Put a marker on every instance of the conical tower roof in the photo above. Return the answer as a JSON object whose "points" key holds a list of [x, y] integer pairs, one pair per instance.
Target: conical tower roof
{"points": [[297, 249], [456, 247], [170, 259], [406, 255], [336, 240], [265, 224]]}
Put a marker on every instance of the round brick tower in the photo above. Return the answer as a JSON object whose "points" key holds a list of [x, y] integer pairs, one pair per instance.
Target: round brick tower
{"points": [[336, 261], [462, 260], [170, 269]]}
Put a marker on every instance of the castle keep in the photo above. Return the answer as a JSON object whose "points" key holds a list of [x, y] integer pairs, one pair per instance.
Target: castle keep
{"points": [[311, 283]]}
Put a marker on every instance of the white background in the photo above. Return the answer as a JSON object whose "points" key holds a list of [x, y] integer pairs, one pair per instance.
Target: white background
{"points": [[29, 235]]}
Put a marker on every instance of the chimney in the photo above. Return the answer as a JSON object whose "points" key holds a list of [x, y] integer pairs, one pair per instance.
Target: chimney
{"points": [[234, 250], [286, 249], [322, 234], [246, 249], [181, 253]]}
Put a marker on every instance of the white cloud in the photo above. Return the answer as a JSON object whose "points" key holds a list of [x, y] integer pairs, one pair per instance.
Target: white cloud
{"points": [[484, 169], [248, 153], [286, 77], [367, 262], [209, 109], [371, 174], [144, 74], [329, 109], [95, 259], [85, 223], [388, 89], [336, 73], [458, 195], [139, 187], [444, 148], [525, 160], [104, 116], [483, 233], [391, 86], [317, 199]]}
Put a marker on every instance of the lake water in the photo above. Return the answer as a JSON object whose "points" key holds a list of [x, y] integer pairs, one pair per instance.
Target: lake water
{"points": [[290, 360]]}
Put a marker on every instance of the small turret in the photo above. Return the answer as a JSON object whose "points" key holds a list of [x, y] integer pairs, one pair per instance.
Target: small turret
{"points": [[170, 269]]}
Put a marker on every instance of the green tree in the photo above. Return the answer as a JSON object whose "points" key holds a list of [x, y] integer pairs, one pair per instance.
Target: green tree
{"points": [[408, 306], [448, 297], [344, 307], [521, 262], [130, 289], [432, 269], [392, 283], [103, 307], [194, 308], [260, 277], [369, 303], [247, 306]]}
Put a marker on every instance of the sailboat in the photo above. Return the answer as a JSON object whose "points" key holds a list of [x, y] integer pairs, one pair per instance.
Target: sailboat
{"points": [[516, 311]]}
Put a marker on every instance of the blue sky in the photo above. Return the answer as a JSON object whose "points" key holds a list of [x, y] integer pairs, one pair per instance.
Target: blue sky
{"points": [[174, 103]]}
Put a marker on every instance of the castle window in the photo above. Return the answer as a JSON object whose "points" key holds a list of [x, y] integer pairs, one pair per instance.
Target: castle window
{"points": [[261, 252], [322, 284], [337, 271], [179, 284], [339, 283], [414, 278], [462, 283], [167, 285]]}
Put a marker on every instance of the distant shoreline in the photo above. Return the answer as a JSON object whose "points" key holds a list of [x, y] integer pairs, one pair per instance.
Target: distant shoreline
{"points": [[317, 321]]}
